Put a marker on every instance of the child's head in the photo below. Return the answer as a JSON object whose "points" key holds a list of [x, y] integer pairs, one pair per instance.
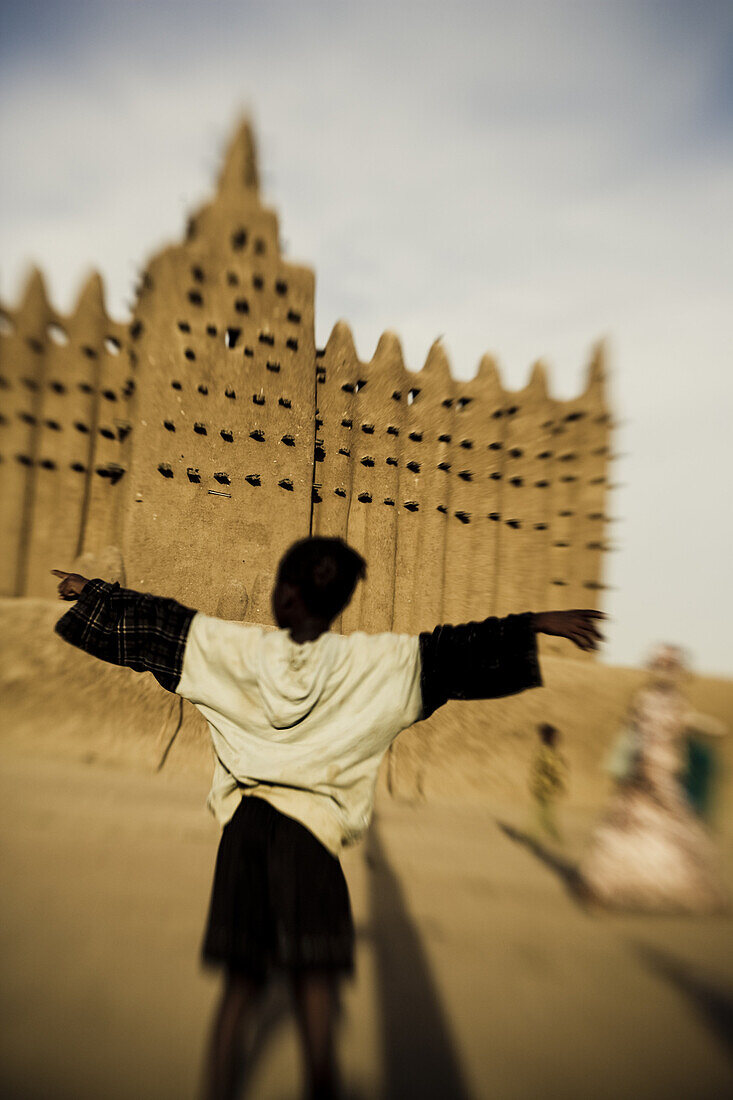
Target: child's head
{"points": [[548, 734], [316, 578]]}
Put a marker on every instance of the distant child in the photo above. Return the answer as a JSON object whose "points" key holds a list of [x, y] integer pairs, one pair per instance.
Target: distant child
{"points": [[300, 719], [548, 780]]}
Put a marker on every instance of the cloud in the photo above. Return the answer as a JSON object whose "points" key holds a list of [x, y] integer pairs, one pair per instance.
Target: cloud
{"points": [[522, 178]]}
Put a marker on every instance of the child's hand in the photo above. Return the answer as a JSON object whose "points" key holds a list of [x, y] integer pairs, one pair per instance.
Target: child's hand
{"points": [[71, 584], [578, 626]]}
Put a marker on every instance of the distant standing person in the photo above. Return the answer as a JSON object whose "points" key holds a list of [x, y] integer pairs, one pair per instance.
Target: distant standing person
{"points": [[548, 780], [650, 852]]}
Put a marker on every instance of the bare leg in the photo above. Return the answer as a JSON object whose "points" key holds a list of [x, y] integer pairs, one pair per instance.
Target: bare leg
{"points": [[224, 1061], [315, 1002]]}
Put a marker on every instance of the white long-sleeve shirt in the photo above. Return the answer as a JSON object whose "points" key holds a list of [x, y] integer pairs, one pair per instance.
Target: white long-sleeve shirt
{"points": [[303, 725]]}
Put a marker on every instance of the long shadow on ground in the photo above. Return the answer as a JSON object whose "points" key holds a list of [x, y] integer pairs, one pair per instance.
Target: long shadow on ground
{"points": [[565, 869], [712, 1002], [419, 1057], [274, 1012]]}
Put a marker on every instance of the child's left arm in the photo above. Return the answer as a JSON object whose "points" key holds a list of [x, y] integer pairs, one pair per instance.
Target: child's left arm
{"points": [[123, 627], [495, 657]]}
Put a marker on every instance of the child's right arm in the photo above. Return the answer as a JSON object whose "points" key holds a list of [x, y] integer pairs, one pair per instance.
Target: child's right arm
{"points": [[123, 627]]}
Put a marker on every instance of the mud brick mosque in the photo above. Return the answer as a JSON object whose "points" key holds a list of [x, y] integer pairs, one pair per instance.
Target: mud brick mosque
{"points": [[182, 452]]}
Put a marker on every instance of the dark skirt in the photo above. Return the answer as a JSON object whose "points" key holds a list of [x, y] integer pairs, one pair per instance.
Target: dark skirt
{"points": [[279, 898]]}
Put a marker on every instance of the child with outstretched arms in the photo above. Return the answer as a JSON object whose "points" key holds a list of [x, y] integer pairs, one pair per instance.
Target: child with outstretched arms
{"points": [[300, 719]]}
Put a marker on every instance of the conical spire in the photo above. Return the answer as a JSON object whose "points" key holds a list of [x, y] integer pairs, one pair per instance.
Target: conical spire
{"points": [[341, 342], [487, 375], [91, 296], [34, 311], [388, 347], [437, 362], [34, 299], [596, 371], [88, 315], [537, 383], [240, 162]]}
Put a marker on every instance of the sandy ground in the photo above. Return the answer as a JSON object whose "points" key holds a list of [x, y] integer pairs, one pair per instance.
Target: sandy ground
{"points": [[478, 976]]}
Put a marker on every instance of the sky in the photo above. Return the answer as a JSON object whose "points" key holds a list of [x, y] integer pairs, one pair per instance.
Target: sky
{"points": [[521, 178]]}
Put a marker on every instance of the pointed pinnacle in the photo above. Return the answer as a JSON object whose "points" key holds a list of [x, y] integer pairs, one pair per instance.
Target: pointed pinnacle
{"points": [[537, 383], [389, 348], [437, 362], [596, 371], [91, 295], [34, 299], [487, 375], [240, 161], [340, 343]]}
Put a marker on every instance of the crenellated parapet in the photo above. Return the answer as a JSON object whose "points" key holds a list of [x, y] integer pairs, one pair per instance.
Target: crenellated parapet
{"points": [[465, 498], [183, 452], [65, 435]]}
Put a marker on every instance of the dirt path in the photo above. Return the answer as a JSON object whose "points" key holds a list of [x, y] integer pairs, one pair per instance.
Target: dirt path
{"points": [[477, 974]]}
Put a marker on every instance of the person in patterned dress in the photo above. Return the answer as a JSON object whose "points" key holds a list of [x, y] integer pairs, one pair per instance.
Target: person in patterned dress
{"points": [[650, 852]]}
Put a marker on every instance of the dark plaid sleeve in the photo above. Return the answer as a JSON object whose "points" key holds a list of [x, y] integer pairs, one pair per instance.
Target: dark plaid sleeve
{"points": [[144, 632], [482, 660]]}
